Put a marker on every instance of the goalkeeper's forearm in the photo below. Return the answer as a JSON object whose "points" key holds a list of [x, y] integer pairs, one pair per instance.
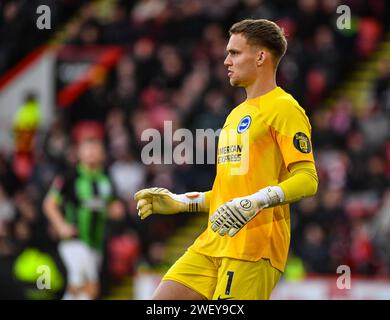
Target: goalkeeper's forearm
{"points": [[231, 216], [194, 201], [161, 201], [302, 183]]}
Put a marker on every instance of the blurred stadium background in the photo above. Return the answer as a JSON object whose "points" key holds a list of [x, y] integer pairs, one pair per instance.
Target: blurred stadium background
{"points": [[130, 65]]}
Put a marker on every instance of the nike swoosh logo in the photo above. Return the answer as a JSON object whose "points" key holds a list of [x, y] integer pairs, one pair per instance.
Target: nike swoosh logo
{"points": [[226, 298]]}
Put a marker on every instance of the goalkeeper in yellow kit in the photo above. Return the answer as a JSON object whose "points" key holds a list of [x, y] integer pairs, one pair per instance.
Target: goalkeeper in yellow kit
{"points": [[264, 162]]}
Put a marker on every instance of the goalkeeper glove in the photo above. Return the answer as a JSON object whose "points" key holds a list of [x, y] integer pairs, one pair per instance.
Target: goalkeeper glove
{"points": [[162, 201], [231, 216]]}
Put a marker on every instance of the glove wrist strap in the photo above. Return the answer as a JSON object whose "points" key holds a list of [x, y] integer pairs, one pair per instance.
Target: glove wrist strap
{"points": [[194, 201], [269, 197]]}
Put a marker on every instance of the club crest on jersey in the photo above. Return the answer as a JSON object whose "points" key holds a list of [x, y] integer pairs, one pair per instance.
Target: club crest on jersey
{"points": [[244, 124], [302, 142]]}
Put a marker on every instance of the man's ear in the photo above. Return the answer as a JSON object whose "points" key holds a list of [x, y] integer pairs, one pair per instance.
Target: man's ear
{"points": [[261, 55]]}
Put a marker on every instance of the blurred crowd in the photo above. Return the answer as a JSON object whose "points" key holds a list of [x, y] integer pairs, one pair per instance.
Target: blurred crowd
{"points": [[18, 18], [172, 69]]}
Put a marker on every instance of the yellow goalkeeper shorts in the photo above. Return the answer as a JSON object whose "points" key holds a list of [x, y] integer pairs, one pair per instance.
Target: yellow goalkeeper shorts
{"points": [[224, 278]]}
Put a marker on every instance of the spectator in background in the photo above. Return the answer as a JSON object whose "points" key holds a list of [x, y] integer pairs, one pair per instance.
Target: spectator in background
{"points": [[7, 215], [314, 250], [124, 168], [26, 124], [382, 86], [380, 231]]}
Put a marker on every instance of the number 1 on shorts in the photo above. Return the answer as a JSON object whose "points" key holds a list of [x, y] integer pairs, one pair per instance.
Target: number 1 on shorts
{"points": [[230, 275]]}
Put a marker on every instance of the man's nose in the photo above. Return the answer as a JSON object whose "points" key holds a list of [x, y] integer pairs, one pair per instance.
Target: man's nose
{"points": [[227, 62]]}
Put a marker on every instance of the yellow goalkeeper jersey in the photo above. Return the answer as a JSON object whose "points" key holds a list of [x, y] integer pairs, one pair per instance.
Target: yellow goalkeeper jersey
{"points": [[259, 140]]}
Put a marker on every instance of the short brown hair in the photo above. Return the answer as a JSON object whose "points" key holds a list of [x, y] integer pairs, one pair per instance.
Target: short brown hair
{"points": [[262, 32]]}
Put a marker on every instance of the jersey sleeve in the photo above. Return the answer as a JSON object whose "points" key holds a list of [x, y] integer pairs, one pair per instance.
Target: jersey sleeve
{"points": [[59, 188], [291, 130]]}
